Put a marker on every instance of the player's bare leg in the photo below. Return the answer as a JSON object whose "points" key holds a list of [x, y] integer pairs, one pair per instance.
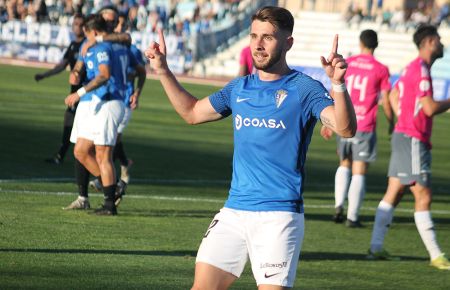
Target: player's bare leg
{"points": [[85, 153], [208, 277], [107, 173]]}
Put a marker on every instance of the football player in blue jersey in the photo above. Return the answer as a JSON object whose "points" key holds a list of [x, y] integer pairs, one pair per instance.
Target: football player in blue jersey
{"points": [[274, 112], [132, 95], [101, 101]]}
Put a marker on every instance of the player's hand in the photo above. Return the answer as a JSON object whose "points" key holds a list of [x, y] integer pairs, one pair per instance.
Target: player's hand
{"points": [[134, 101], [87, 44], [335, 66], [72, 99], [156, 54], [38, 77], [326, 133], [74, 78]]}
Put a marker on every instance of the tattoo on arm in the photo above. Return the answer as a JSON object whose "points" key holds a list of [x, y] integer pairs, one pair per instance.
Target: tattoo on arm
{"points": [[327, 122], [95, 83], [79, 65]]}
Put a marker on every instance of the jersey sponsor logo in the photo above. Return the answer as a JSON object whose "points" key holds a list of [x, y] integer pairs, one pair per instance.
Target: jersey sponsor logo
{"points": [[87, 54], [258, 123], [424, 85], [239, 100], [280, 96]]}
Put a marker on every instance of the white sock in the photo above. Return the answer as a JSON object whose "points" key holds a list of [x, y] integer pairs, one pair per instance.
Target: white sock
{"points": [[82, 198], [424, 225], [356, 194], [341, 181], [383, 219]]}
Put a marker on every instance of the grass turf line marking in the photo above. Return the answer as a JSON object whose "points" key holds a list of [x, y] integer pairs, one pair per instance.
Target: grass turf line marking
{"points": [[195, 199]]}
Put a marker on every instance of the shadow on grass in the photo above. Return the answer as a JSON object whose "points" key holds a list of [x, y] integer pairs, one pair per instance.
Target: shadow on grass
{"points": [[180, 253], [305, 256], [169, 213], [368, 220]]}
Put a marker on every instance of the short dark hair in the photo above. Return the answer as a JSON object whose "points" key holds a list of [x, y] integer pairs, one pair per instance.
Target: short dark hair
{"points": [[95, 22], [80, 16], [277, 16], [422, 32], [369, 38]]}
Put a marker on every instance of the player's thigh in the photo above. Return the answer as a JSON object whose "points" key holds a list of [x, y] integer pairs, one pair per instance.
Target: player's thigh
{"points": [[211, 277], [224, 243], [275, 240], [83, 147]]}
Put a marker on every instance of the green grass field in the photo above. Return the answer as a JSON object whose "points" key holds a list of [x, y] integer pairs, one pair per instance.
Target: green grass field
{"points": [[179, 181]]}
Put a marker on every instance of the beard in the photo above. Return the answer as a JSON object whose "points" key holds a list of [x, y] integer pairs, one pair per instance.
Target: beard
{"points": [[269, 63], [439, 53]]}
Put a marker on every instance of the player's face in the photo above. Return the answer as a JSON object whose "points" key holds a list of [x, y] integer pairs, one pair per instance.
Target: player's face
{"points": [[77, 27], [268, 45], [120, 25], [110, 18], [437, 46]]}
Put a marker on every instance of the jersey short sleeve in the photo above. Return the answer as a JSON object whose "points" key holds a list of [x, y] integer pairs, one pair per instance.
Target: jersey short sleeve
{"points": [[103, 55], [385, 84], [221, 100], [316, 99]]}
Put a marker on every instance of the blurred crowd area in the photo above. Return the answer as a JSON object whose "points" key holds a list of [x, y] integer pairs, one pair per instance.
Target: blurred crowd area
{"points": [[404, 17], [182, 17]]}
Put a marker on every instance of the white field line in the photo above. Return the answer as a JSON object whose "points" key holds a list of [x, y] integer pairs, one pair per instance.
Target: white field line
{"points": [[194, 199]]}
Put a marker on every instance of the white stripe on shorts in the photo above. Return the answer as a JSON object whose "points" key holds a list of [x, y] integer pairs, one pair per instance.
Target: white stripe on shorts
{"points": [[415, 156]]}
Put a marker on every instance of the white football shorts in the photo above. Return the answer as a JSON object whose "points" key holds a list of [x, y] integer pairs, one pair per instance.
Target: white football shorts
{"points": [[82, 123], [105, 122], [125, 120], [271, 239]]}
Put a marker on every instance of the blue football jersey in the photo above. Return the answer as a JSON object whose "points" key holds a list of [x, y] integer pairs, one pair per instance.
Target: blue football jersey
{"points": [[139, 58], [95, 56], [121, 61], [273, 123]]}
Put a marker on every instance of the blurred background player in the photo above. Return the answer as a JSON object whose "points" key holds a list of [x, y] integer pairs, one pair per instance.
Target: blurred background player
{"points": [[69, 58], [367, 81], [410, 164], [245, 62], [96, 126], [131, 103]]}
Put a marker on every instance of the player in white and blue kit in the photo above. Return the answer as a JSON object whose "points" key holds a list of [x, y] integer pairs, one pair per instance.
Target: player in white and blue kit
{"points": [[102, 102], [274, 113]]}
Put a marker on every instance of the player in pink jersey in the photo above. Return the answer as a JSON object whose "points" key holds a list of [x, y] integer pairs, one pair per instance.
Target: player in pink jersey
{"points": [[367, 81], [246, 62], [412, 100]]}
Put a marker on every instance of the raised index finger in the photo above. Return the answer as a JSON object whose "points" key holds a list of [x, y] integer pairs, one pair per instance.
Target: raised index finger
{"points": [[335, 44], [162, 42]]}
